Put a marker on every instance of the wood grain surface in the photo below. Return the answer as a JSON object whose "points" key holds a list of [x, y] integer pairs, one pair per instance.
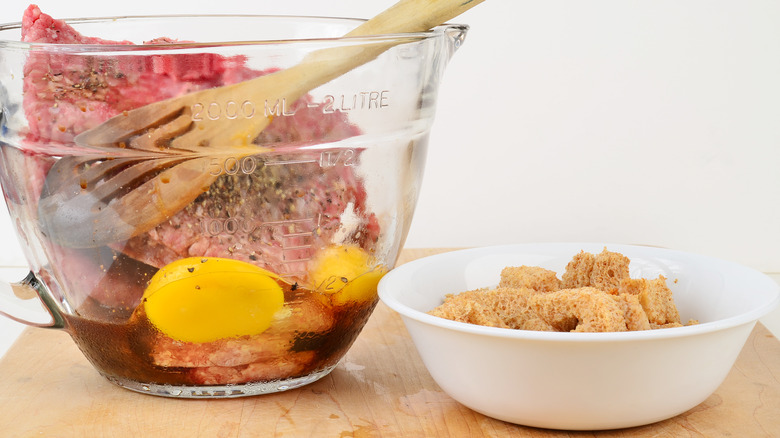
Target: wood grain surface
{"points": [[380, 389]]}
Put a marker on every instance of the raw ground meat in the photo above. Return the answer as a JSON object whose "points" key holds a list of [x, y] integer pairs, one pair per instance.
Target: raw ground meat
{"points": [[279, 213], [66, 95], [305, 316], [275, 216]]}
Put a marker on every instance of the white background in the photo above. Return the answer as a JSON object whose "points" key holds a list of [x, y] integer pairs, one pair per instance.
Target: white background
{"points": [[650, 122]]}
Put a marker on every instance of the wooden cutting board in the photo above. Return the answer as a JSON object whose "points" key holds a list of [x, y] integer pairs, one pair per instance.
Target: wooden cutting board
{"points": [[380, 389]]}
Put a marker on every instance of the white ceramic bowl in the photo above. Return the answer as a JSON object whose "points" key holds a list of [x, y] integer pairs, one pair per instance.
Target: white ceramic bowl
{"points": [[581, 381]]}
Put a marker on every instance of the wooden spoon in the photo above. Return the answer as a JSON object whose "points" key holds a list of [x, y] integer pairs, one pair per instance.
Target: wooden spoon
{"points": [[142, 193], [170, 123]]}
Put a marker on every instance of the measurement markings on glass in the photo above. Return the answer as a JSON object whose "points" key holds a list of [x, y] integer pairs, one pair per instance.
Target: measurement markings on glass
{"points": [[248, 164], [344, 157], [286, 162], [297, 236]]}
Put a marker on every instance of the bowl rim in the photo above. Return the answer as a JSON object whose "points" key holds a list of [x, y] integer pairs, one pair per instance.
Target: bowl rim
{"points": [[405, 36], [748, 317]]}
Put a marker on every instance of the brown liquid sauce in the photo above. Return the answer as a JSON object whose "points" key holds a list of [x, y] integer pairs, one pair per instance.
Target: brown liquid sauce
{"points": [[123, 343]]}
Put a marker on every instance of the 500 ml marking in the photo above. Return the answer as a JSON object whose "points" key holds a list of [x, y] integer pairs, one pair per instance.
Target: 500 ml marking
{"points": [[232, 165], [247, 165]]}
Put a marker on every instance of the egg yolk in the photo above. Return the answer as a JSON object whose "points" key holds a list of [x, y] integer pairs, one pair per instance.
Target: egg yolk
{"points": [[347, 273], [201, 299]]}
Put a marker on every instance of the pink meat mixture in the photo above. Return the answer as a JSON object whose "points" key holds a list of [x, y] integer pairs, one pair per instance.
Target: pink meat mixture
{"points": [[76, 93], [66, 95]]}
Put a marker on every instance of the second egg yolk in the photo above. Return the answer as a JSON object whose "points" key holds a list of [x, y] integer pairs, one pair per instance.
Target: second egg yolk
{"points": [[347, 273]]}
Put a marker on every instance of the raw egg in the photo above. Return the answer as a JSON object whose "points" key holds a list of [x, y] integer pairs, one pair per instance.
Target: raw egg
{"points": [[203, 299], [345, 272]]}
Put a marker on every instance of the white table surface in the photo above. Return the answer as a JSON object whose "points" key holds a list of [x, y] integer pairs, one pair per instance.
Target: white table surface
{"points": [[10, 329]]}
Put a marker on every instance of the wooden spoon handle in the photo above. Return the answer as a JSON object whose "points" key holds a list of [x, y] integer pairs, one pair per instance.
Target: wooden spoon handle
{"points": [[324, 65], [170, 121], [414, 16], [316, 69]]}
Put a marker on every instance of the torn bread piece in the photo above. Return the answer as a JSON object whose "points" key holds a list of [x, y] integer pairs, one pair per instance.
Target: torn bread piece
{"points": [[609, 269], [656, 300], [468, 307], [584, 309], [633, 312], [603, 271], [532, 277], [578, 271], [499, 307]]}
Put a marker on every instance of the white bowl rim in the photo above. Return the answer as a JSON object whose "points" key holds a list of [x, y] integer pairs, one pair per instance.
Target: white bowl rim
{"points": [[747, 317]]}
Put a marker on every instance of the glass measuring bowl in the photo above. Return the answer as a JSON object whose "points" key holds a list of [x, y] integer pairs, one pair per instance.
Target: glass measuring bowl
{"points": [[262, 281]]}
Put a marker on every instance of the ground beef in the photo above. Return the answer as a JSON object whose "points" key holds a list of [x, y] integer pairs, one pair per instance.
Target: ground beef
{"points": [[66, 94], [272, 216]]}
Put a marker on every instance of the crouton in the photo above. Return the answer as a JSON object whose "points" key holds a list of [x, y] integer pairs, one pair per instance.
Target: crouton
{"points": [[594, 294], [578, 271], [499, 307], [633, 312], [467, 307], [655, 297], [532, 277], [584, 309], [609, 269]]}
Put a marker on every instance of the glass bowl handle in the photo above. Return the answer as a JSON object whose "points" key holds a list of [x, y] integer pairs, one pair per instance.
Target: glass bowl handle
{"points": [[15, 303]]}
